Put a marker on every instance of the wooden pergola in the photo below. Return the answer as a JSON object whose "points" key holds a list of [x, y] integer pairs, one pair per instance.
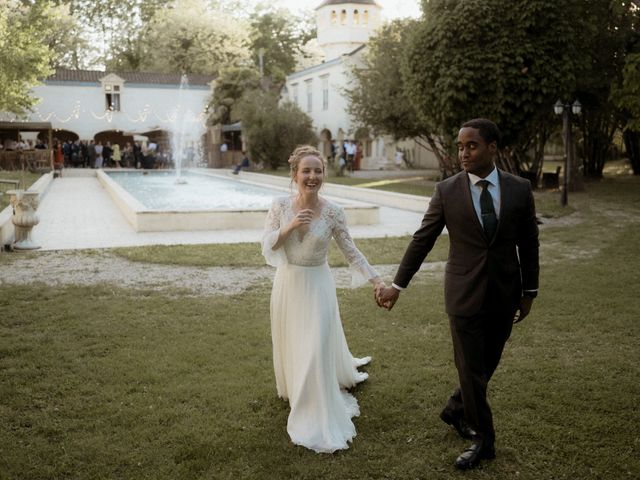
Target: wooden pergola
{"points": [[30, 159]]}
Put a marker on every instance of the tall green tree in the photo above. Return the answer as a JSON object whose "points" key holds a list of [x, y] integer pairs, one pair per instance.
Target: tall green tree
{"points": [[115, 27], [277, 38], [25, 57], [500, 59], [378, 99], [272, 130], [190, 37], [62, 32], [627, 99], [229, 87], [609, 32]]}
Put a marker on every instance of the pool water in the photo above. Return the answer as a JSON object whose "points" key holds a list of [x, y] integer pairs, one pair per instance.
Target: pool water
{"points": [[159, 191]]}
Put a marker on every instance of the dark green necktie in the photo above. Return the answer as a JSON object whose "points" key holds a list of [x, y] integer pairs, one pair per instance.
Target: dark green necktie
{"points": [[489, 218]]}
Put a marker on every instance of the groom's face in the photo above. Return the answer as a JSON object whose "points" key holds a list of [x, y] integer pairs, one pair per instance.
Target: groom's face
{"points": [[476, 155]]}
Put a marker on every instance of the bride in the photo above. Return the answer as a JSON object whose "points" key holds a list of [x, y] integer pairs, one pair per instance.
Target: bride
{"points": [[312, 362]]}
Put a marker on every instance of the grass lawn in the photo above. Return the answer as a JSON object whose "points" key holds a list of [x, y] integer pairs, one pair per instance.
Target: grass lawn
{"points": [[112, 383], [25, 178]]}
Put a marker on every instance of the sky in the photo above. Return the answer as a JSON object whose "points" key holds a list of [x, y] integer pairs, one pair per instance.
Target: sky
{"points": [[390, 8]]}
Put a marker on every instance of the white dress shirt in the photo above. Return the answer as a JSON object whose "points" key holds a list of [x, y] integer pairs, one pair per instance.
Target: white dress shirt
{"points": [[494, 190]]}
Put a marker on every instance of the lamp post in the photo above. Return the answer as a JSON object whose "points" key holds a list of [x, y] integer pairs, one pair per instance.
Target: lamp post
{"points": [[570, 170]]}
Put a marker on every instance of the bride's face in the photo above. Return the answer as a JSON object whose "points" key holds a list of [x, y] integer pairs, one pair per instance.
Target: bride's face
{"points": [[310, 174]]}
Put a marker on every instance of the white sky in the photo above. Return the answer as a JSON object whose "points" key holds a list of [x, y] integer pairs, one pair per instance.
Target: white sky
{"points": [[390, 8]]}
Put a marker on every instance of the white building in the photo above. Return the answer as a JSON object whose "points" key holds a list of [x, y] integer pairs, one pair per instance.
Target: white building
{"points": [[343, 31], [84, 104]]}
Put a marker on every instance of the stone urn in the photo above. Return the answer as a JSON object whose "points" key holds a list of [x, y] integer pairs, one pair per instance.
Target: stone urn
{"points": [[24, 218]]}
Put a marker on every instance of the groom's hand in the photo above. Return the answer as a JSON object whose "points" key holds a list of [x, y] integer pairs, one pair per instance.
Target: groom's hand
{"points": [[386, 297], [524, 309]]}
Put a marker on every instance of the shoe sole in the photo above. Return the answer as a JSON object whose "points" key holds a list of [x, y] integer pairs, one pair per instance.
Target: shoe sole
{"points": [[449, 421], [471, 465]]}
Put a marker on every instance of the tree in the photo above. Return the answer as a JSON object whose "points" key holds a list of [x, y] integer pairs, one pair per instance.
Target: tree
{"points": [[25, 58], [377, 97], [609, 30], [273, 131], [189, 37], [115, 27], [627, 99], [509, 64], [276, 40], [64, 36], [228, 89]]}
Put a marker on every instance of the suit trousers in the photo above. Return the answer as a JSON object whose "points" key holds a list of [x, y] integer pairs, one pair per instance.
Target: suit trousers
{"points": [[478, 342]]}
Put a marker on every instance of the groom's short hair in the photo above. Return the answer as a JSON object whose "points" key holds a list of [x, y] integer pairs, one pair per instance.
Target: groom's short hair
{"points": [[488, 130]]}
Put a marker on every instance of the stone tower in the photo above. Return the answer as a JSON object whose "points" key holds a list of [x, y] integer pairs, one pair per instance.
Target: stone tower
{"points": [[345, 26]]}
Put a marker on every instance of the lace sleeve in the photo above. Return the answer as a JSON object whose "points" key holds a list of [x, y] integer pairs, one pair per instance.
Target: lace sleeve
{"points": [[271, 233], [361, 271]]}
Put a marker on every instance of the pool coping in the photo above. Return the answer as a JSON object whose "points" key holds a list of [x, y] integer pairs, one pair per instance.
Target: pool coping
{"points": [[143, 219]]}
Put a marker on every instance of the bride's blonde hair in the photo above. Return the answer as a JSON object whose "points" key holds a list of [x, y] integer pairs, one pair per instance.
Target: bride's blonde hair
{"points": [[299, 153]]}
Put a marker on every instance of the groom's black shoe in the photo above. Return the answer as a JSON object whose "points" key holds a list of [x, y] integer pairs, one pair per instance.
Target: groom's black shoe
{"points": [[471, 457], [459, 423]]}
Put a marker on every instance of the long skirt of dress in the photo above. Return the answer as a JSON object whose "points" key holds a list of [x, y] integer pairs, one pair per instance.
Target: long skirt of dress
{"points": [[312, 362]]}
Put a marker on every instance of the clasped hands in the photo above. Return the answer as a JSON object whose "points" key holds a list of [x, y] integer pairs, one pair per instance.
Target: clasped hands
{"points": [[385, 296]]}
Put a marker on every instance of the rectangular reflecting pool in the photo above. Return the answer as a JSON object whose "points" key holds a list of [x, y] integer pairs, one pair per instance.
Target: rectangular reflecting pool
{"points": [[154, 201]]}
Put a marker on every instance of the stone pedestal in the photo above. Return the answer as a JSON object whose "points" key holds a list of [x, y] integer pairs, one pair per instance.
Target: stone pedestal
{"points": [[24, 218]]}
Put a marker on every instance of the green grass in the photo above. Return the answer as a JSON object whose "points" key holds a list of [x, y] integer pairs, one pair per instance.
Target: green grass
{"points": [[26, 180], [377, 250], [110, 383]]}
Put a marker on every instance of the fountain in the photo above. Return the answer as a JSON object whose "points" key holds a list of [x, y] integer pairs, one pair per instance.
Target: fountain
{"points": [[181, 132], [151, 202]]}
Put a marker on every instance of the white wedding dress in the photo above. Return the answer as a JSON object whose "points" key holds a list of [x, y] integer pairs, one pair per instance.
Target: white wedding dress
{"points": [[312, 362]]}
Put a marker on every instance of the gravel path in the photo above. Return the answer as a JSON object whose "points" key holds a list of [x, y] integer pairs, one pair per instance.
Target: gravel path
{"points": [[101, 267], [104, 268]]}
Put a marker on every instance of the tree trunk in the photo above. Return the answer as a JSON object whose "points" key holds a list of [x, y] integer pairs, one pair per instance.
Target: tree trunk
{"points": [[632, 146], [597, 131], [448, 164]]}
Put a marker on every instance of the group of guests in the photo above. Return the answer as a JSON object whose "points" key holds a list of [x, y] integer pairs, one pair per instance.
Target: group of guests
{"points": [[92, 154], [346, 157], [10, 145]]}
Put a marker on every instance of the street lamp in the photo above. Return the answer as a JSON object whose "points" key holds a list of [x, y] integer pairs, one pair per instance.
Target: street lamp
{"points": [[566, 110]]}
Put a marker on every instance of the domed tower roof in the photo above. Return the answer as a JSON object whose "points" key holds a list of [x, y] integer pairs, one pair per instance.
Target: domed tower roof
{"points": [[344, 26], [338, 2]]}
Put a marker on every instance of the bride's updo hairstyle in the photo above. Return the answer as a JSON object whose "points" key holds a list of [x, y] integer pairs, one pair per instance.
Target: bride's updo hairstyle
{"points": [[301, 152]]}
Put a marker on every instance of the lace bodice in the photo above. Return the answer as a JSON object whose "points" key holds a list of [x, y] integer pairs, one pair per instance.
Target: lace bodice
{"points": [[312, 247]]}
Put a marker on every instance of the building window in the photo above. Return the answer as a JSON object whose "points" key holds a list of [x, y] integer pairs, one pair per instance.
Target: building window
{"points": [[343, 17], [334, 17], [356, 17], [294, 87], [325, 92], [309, 95], [112, 97], [365, 17]]}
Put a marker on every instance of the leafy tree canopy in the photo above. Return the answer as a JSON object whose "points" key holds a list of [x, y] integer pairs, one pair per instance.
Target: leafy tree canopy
{"points": [[189, 37], [377, 97], [272, 130], [278, 37], [500, 59], [25, 57], [229, 87]]}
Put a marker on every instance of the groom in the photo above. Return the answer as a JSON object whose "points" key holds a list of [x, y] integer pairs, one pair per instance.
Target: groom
{"points": [[491, 276]]}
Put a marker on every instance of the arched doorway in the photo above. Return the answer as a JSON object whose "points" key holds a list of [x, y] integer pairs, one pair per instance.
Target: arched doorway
{"points": [[113, 136], [64, 135]]}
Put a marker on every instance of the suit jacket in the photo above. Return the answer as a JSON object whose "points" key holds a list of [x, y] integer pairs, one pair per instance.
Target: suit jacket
{"points": [[479, 269]]}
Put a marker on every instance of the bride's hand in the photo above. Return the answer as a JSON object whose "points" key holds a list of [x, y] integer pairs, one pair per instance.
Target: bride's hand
{"points": [[303, 217], [377, 286]]}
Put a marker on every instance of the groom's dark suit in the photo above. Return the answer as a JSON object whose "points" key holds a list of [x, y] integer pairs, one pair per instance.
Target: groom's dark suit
{"points": [[483, 283]]}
